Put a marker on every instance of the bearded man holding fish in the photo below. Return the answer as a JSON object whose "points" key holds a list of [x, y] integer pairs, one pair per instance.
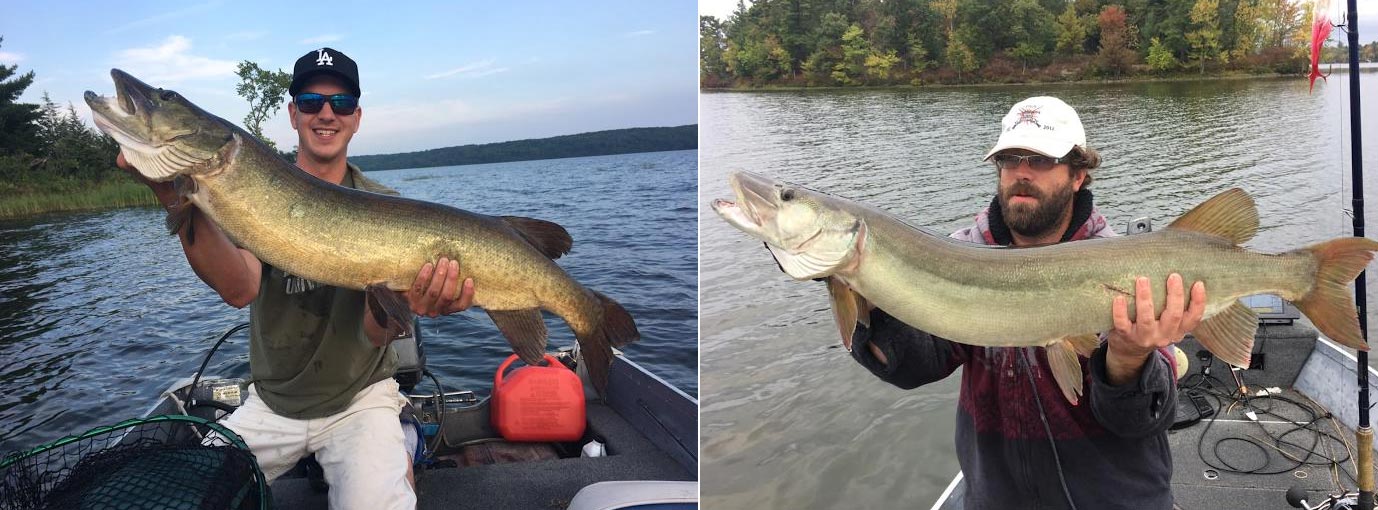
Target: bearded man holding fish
{"points": [[1020, 444], [322, 367]]}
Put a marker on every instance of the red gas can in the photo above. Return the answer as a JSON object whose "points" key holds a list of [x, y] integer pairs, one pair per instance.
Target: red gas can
{"points": [[538, 403]]}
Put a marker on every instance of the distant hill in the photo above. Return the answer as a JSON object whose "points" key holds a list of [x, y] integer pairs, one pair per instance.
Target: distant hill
{"points": [[598, 143]]}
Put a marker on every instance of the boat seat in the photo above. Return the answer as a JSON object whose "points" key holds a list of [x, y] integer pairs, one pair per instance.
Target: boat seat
{"points": [[637, 494]]}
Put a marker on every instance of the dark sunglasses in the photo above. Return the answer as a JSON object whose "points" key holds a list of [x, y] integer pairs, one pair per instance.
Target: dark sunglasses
{"points": [[341, 104], [1036, 161]]}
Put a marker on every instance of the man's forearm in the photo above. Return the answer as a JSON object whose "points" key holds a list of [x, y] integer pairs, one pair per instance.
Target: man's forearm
{"points": [[232, 272]]}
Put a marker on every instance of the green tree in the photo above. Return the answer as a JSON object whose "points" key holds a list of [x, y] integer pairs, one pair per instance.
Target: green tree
{"points": [[878, 65], [1071, 32], [1160, 58], [712, 44], [960, 57], [1115, 55], [855, 49], [69, 149], [1205, 38], [18, 133], [1033, 32], [264, 90], [918, 55]]}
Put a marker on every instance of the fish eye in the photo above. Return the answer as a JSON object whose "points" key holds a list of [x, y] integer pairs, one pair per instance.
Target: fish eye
{"points": [[787, 195], [167, 95]]}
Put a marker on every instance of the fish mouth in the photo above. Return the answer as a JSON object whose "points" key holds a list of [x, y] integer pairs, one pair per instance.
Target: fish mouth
{"points": [[127, 113], [755, 198]]}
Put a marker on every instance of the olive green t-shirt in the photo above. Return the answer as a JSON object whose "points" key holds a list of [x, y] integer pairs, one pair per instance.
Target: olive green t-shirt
{"points": [[308, 354]]}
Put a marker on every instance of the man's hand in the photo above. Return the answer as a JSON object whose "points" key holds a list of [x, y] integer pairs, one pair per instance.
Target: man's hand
{"points": [[1131, 342], [433, 292]]}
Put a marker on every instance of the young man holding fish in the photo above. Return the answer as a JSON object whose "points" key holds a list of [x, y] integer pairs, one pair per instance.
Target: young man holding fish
{"points": [[322, 366], [1019, 442]]}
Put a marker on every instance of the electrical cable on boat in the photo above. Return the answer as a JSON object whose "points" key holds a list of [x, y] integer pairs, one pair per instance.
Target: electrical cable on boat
{"points": [[1254, 404], [191, 391], [440, 418], [1028, 370]]}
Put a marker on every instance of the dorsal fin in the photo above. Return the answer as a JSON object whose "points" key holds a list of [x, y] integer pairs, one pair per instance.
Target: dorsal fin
{"points": [[548, 237], [1231, 215]]}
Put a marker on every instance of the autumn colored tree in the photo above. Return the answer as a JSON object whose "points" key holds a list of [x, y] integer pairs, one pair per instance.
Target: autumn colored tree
{"points": [[1115, 54]]}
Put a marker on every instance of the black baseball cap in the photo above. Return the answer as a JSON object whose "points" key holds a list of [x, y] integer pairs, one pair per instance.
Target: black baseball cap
{"points": [[324, 61]]}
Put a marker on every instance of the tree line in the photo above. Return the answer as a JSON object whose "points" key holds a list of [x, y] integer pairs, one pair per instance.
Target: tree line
{"points": [[915, 42], [598, 143], [45, 146]]}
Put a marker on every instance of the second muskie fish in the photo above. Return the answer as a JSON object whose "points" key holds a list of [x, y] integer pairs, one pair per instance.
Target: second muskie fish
{"points": [[1057, 296], [354, 239]]}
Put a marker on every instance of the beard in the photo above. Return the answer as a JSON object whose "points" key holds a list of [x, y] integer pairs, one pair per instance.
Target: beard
{"points": [[1034, 220]]}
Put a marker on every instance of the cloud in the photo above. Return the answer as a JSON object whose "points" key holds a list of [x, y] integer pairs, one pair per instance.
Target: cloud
{"points": [[474, 70], [171, 62], [6, 56], [322, 39], [639, 33], [153, 20]]}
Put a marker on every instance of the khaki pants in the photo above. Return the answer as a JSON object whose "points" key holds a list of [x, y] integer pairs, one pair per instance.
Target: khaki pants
{"points": [[361, 449]]}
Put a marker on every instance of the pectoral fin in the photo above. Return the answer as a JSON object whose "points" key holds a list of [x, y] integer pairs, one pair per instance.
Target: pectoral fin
{"points": [[1230, 334], [1084, 345], [525, 331], [846, 307], [1066, 368], [389, 309], [180, 214]]}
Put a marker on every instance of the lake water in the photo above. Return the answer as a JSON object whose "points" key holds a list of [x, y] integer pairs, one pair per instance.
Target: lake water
{"points": [[788, 419], [99, 312]]}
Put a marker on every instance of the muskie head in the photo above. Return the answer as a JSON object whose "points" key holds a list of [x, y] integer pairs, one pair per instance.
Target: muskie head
{"points": [[159, 131], [810, 236]]}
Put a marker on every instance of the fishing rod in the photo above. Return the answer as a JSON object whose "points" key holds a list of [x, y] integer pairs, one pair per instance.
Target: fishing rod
{"points": [[1364, 433]]}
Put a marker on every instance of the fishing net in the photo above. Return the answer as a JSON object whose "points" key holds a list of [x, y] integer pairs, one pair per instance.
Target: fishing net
{"points": [[156, 462]]}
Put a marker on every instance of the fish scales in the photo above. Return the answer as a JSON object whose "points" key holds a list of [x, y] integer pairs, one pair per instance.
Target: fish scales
{"points": [[998, 296]]}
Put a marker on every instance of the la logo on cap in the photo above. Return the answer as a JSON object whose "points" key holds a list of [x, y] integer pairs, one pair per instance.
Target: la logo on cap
{"points": [[323, 58]]}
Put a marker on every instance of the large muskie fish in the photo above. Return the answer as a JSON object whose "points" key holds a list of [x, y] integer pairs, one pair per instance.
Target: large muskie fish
{"points": [[1057, 296], [354, 239]]}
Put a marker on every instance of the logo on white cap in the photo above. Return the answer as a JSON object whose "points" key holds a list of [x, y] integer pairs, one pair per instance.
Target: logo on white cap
{"points": [[323, 58], [1045, 125], [1027, 114]]}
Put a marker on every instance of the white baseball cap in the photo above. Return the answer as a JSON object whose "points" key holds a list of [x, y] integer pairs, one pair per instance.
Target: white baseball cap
{"points": [[1043, 124]]}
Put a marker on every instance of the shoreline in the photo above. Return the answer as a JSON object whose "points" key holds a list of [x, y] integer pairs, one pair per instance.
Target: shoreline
{"points": [[110, 194], [1127, 80]]}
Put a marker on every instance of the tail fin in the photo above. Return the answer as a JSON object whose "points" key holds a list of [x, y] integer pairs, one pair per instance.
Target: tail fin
{"points": [[616, 330], [1330, 304]]}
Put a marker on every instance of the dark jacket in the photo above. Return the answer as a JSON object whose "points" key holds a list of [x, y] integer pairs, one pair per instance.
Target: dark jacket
{"points": [[1112, 448]]}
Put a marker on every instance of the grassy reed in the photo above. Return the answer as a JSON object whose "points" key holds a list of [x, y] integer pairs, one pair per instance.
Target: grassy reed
{"points": [[108, 194]]}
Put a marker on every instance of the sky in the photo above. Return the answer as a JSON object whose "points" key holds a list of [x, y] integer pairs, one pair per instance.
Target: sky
{"points": [[433, 74]]}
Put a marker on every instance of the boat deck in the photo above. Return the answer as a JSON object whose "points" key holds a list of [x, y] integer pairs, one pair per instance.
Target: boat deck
{"points": [[535, 484], [1231, 460]]}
